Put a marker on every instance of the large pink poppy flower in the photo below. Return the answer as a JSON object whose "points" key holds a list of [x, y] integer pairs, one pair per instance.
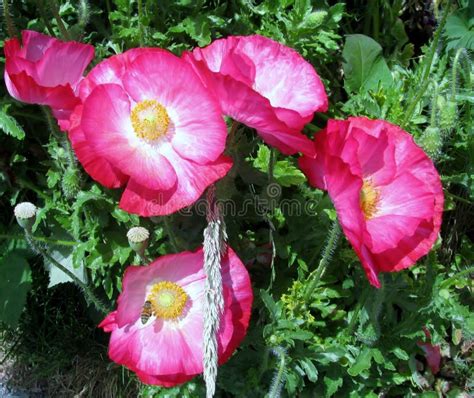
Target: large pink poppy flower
{"points": [[265, 85], [43, 70], [146, 120], [166, 349], [387, 192]]}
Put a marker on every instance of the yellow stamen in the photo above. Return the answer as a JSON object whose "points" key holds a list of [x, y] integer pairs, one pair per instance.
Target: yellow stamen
{"points": [[167, 299], [150, 120], [369, 199]]}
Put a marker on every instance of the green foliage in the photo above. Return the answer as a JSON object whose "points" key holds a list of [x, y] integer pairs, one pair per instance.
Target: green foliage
{"points": [[9, 125], [15, 283], [364, 67], [346, 339], [459, 30], [285, 172]]}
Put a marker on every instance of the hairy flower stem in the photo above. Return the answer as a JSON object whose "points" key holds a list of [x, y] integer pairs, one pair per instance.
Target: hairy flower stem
{"points": [[140, 23], [44, 16], [170, 233], [62, 28], [91, 297], [315, 276], [214, 248], [42, 239], [62, 138], [429, 61], [277, 382], [11, 28], [271, 169]]}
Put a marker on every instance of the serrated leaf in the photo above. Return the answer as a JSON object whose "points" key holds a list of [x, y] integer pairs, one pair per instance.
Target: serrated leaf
{"points": [[364, 66], [285, 172], [332, 385], [10, 126], [270, 304], [15, 283], [361, 363]]}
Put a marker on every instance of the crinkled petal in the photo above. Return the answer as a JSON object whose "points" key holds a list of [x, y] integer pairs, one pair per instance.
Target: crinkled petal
{"points": [[107, 126], [193, 179], [199, 129]]}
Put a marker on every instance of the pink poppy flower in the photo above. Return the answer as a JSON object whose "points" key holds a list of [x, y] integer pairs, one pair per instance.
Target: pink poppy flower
{"points": [[386, 191], [265, 85], [147, 122], [43, 70], [165, 348]]}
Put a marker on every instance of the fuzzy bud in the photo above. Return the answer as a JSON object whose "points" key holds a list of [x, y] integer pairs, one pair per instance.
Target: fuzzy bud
{"points": [[431, 142], [316, 19], [138, 239], [448, 115], [70, 183], [25, 214]]}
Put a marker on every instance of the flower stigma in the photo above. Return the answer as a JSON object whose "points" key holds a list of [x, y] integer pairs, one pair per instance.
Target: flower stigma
{"points": [[150, 120], [369, 199], [167, 300]]}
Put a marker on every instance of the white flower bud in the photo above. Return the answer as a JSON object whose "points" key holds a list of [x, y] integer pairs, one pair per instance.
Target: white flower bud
{"points": [[25, 214]]}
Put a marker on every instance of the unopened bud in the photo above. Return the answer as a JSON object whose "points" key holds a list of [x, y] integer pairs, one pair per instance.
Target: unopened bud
{"points": [[25, 214], [432, 142], [138, 239], [448, 115], [70, 183], [316, 19]]}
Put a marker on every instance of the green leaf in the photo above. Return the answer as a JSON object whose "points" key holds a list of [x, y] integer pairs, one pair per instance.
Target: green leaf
{"points": [[364, 66], [197, 28], [15, 283], [459, 30], [401, 354], [362, 362], [285, 172], [63, 255], [299, 335], [309, 369], [270, 304], [332, 384], [10, 126]]}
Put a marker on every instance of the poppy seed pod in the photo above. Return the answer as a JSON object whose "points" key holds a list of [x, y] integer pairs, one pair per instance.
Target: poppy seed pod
{"points": [[25, 213]]}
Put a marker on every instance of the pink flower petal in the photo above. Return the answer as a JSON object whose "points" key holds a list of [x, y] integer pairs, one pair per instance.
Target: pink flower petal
{"points": [[97, 167], [193, 179], [107, 126], [169, 352], [264, 85], [199, 130], [407, 191]]}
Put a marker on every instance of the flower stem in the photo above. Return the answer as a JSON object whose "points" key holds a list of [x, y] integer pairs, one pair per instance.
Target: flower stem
{"points": [[140, 23], [11, 29], [62, 28], [62, 138], [85, 288], [429, 61], [315, 276], [277, 382], [170, 233], [42, 239], [40, 4]]}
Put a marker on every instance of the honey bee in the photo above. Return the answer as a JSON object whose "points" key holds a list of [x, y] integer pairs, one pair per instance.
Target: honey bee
{"points": [[147, 312]]}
